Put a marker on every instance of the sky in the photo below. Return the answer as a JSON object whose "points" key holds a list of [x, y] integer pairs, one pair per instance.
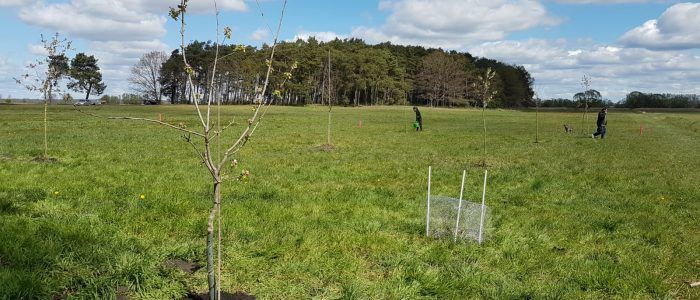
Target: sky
{"points": [[623, 45]]}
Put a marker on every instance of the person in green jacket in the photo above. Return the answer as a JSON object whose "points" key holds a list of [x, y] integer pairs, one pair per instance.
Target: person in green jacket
{"points": [[419, 119]]}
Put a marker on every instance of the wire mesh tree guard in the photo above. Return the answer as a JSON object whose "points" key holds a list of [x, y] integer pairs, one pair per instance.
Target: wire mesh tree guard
{"points": [[448, 217]]}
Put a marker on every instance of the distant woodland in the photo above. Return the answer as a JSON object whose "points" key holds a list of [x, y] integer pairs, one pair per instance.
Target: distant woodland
{"points": [[360, 74]]}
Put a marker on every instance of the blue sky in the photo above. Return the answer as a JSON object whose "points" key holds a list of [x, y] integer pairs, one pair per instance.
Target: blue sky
{"points": [[603, 22], [624, 45]]}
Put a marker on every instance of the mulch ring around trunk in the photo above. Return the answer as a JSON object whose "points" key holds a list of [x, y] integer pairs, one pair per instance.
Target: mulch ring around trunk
{"points": [[191, 268], [224, 296]]}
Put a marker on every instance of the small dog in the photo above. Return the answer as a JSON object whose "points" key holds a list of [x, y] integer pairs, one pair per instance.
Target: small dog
{"points": [[568, 128]]}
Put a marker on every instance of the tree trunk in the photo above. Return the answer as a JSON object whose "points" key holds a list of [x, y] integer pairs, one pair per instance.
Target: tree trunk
{"points": [[47, 99], [87, 95], [50, 95], [386, 94], [46, 129], [329, 126], [323, 88], [210, 241], [356, 95], [174, 96], [159, 96]]}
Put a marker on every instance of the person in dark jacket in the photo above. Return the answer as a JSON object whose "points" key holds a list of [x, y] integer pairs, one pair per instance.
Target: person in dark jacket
{"points": [[419, 119], [601, 123]]}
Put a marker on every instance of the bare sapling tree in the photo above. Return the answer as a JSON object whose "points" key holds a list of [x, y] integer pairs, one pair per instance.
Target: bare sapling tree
{"points": [[487, 91], [145, 75], [210, 133], [586, 84], [45, 73]]}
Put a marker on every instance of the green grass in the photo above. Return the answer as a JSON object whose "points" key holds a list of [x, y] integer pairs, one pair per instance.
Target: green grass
{"points": [[572, 217]]}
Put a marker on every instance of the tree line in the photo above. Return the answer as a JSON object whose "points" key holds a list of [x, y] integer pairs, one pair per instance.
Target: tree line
{"points": [[632, 100], [651, 100], [363, 74], [590, 98]]}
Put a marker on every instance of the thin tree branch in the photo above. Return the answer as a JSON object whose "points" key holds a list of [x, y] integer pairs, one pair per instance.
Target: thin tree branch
{"points": [[196, 150], [244, 135], [220, 132], [208, 160], [187, 65], [267, 106], [213, 73], [262, 15]]}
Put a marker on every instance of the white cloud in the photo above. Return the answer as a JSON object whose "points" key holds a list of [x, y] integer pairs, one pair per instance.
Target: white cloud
{"points": [[161, 7], [37, 49], [116, 53], [322, 36], [117, 32], [205, 6], [16, 2], [602, 1], [116, 58], [8, 71], [158, 7], [5, 69], [454, 23], [616, 71], [677, 28], [260, 34], [95, 20]]}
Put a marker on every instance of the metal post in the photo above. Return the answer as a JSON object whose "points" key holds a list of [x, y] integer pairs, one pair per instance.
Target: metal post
{"points": [[483, 208], [427, 216], [459, 208]]}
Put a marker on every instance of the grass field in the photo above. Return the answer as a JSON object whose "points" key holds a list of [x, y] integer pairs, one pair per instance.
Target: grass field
{"points": [[572, 217]]}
